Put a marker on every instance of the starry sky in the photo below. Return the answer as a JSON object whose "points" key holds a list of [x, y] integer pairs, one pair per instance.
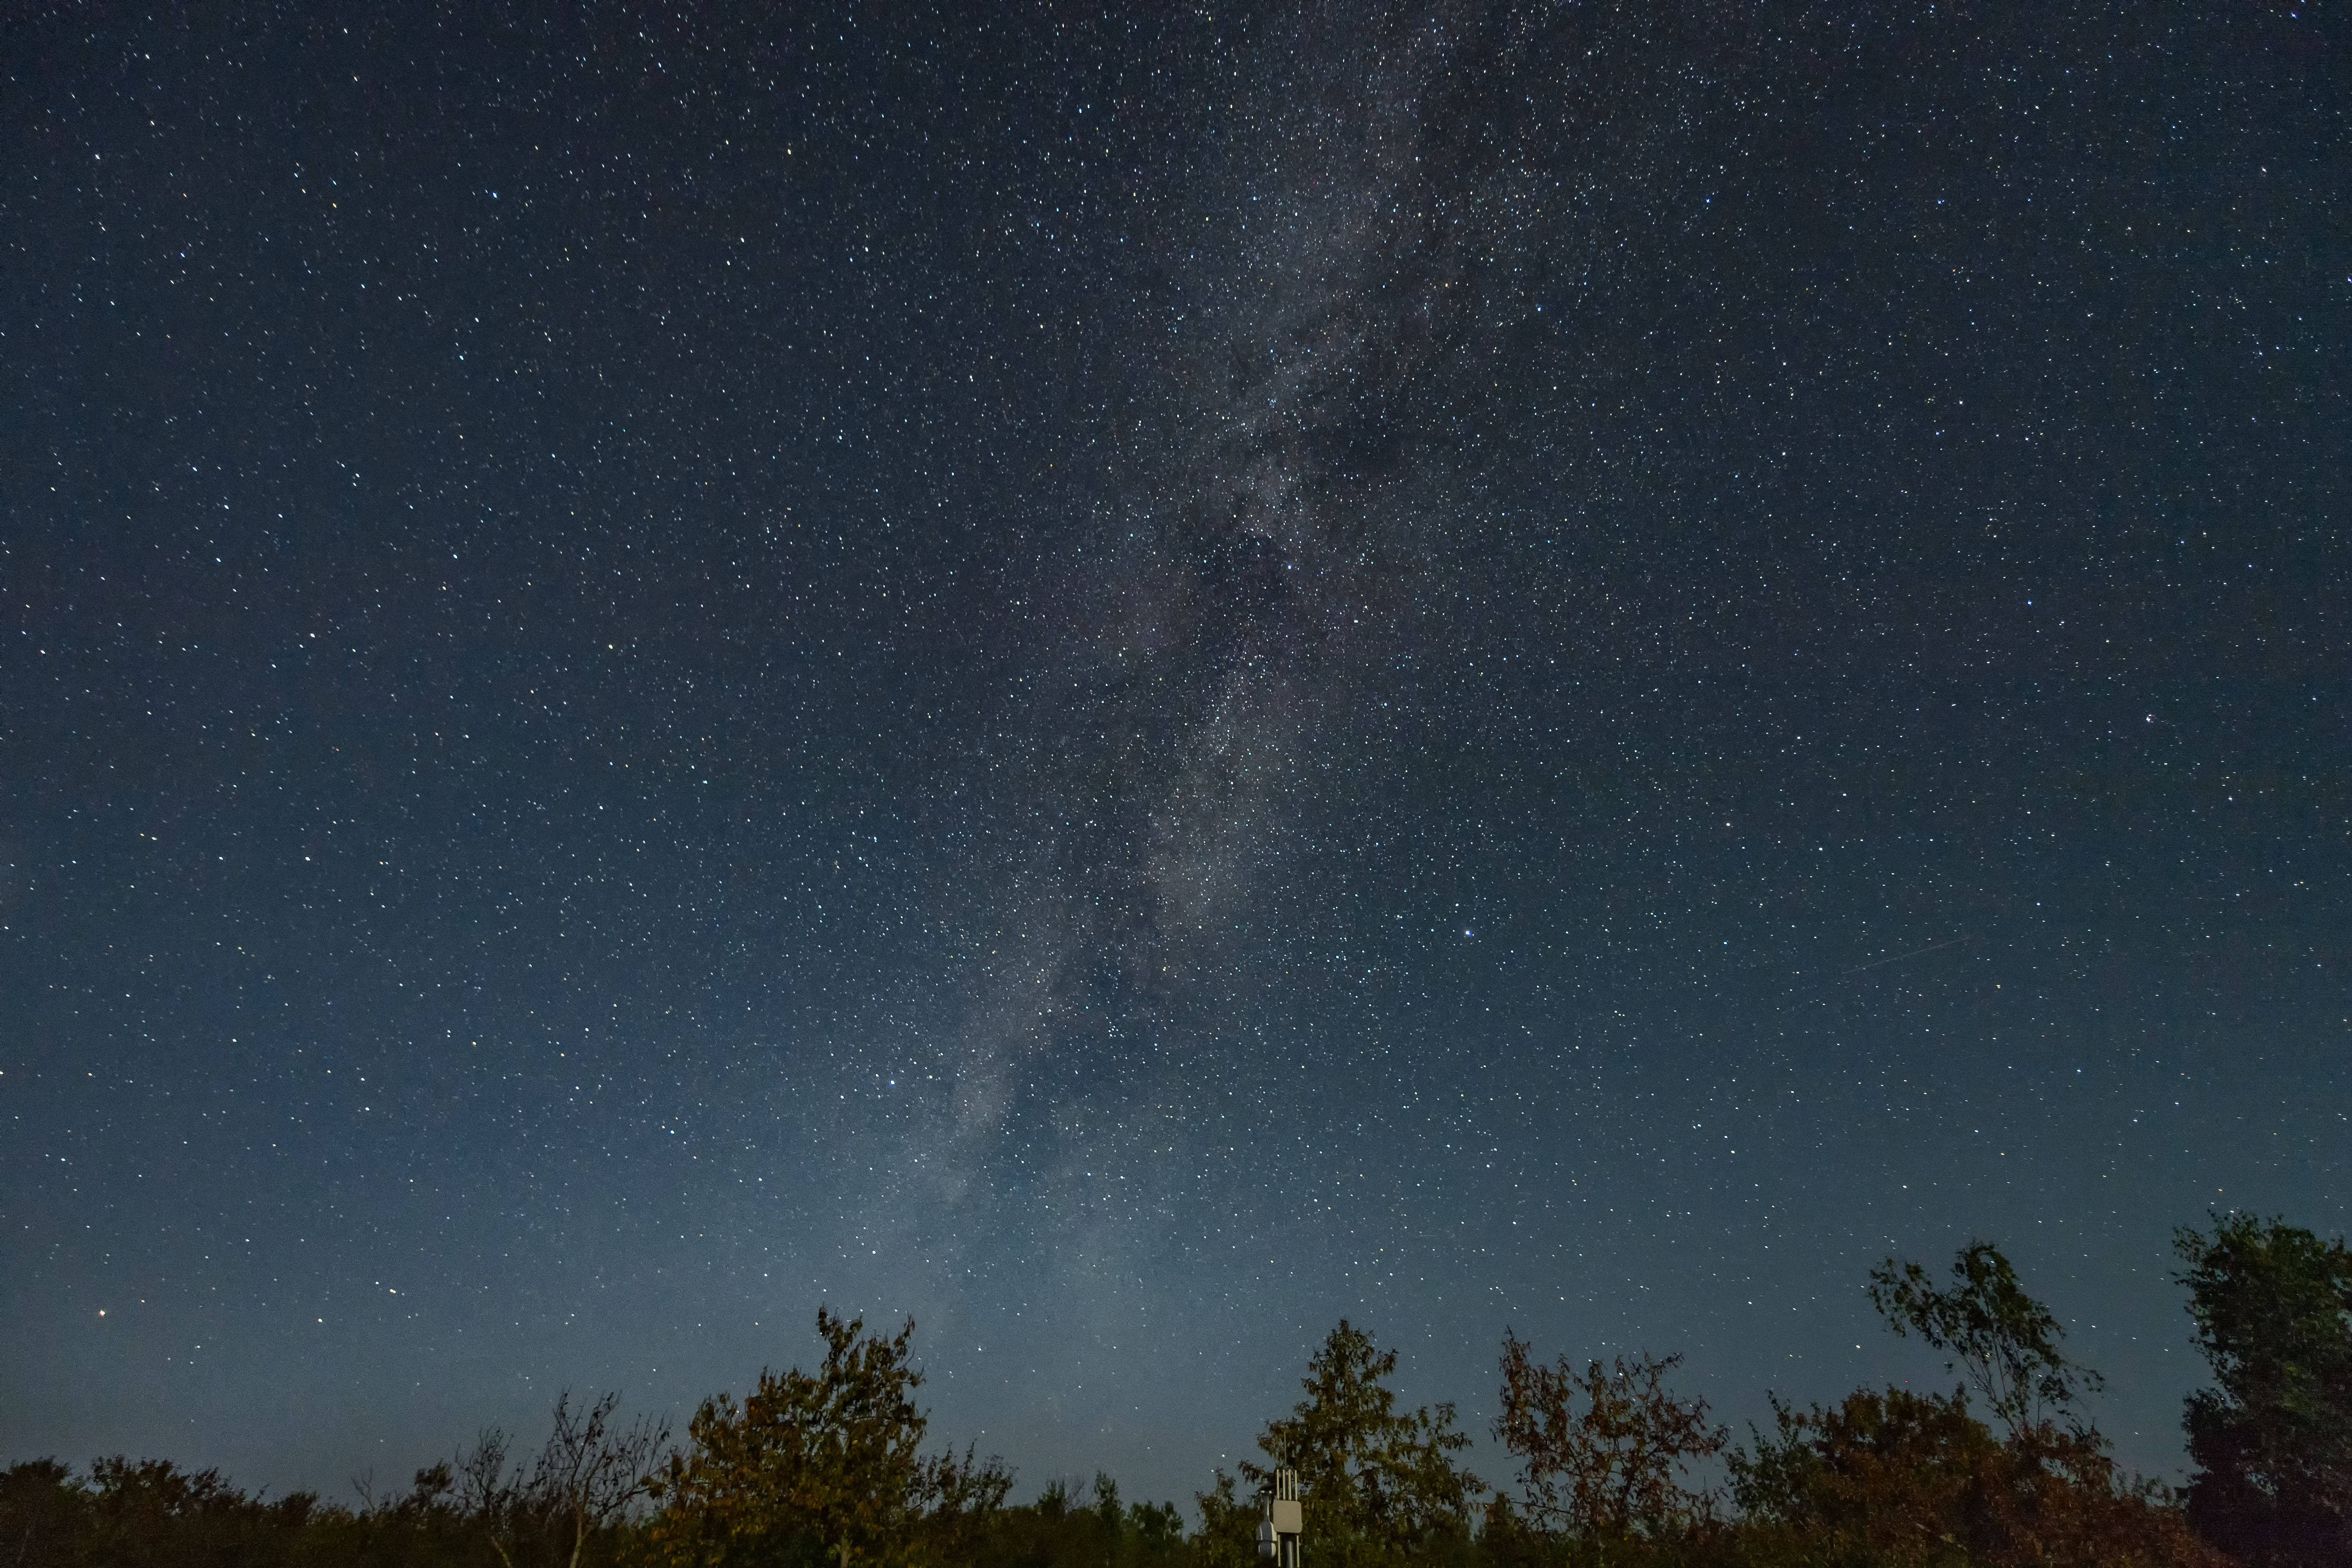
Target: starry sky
{"points": [[1130, 682]]}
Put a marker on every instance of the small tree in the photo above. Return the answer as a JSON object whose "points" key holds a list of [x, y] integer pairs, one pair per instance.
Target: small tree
{"points": [[829, 1462], [589, 1478], [1228, 1524], [2001, 1339], [1604, 1455], [2273, 1440], [591, 1474], [1373, 1478]]}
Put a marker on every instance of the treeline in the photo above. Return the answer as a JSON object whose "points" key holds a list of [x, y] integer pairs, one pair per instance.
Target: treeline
{"points": [[1613, 1467]]}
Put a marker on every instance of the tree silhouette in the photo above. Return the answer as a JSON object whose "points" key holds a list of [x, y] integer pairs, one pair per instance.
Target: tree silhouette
{"points": [[1373, 1479], [589, 1478], [2273, 1440], [2001, 1339], [827, 1464], [1603, 1455], [1890, 1476]]}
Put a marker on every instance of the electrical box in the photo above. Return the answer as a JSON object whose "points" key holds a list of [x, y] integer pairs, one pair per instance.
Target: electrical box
{"points": [[1282, 1522]]}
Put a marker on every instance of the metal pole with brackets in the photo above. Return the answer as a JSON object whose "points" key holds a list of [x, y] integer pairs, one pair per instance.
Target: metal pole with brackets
{"points": [[1282, 1524]]}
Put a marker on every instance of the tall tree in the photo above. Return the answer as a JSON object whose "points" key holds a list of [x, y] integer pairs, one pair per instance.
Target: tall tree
{"points": [[2272, 1441], [1374, 1480], [2001, 1339], [823, 1467], [1603, 1455]]}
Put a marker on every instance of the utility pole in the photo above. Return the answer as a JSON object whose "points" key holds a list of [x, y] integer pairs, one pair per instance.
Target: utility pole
{"points": [[1279, 1529]]}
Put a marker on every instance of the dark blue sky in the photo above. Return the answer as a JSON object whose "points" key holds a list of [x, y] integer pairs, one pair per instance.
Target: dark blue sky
{"points": [[1132, 684]]}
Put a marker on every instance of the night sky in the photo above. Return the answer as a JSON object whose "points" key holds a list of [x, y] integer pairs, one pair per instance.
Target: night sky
{"points": [[1129, 684]]}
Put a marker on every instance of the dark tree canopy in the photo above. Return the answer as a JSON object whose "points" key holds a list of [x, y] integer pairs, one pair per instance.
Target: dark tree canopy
{"points": [[1606, 1453], [1374, 1480], [828, 1468], [825, 1467], [1891, 1477], [2272, 1440]]}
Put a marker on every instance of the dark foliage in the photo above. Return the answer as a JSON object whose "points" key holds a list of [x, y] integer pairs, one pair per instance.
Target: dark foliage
{"points": [[1606, 1454], [1896, 1477], [1061, 1529], [2004, 1341], [827, 1468], [134, 1514], [1377, 1483], [2272, 1441], [575, 1507], [823, 1468]]}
